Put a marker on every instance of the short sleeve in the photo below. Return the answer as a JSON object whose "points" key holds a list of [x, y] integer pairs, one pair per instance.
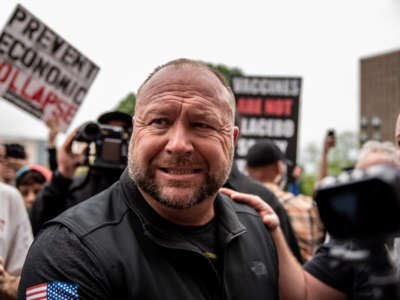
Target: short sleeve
{"points": [[20, 233], [58, 255]]}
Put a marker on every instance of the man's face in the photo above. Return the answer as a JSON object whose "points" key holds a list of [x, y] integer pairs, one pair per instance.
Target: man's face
{"points": [[182, 144], [10, 167], [397, 136]]}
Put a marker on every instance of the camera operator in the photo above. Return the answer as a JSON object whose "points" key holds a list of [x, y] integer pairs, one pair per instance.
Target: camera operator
{"points": [[321, 278], [64, 190]]}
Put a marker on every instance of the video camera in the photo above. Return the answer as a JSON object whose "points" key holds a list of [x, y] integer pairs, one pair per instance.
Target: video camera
{"points": [[362, 203], [107, 145], [361, 211]]}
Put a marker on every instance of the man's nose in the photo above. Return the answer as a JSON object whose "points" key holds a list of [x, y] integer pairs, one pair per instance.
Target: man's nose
{"points": [[179, 140]]}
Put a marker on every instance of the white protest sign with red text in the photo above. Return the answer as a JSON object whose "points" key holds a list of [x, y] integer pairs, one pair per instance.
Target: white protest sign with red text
{"points": [[40, 72]]}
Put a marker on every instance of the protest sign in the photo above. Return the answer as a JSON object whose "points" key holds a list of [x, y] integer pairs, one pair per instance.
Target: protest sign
{"points": [[269, 109], [40, 72]]}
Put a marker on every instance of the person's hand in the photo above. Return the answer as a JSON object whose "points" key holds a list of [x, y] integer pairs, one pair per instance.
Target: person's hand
{"points": [[54, 129], [265, 211], [8, 284], [66, 159]]}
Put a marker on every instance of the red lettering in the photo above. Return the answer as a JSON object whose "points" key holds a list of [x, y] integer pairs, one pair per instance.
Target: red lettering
{"points": [[25, 87], [5, 64], [69, 114], [38, 95], [51, 98], [249, 106], [288, 106], [60, 109], [278, 107], [12, 86]]}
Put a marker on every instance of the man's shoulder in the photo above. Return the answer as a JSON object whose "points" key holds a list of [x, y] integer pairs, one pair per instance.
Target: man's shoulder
{"points": [[104, 209], [245, 184]]}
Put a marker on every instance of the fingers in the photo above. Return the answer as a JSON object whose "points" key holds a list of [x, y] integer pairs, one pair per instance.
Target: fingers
{"points": [[267, 214], [252, 200], [68, 142]]}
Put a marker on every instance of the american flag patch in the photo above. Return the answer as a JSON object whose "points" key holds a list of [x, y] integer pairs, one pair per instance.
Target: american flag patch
{"points": [[55, 290]]}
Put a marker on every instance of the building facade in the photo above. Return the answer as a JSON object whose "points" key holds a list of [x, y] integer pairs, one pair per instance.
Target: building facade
{"points": [[379, 96]]}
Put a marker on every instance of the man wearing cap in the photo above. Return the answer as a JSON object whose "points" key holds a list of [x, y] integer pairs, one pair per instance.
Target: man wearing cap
{"points": [[266, 163], [64, 190], [12, 158]]}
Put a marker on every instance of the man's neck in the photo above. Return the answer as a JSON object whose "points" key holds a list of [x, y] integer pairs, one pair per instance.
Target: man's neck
{"points": [[195, 216]]}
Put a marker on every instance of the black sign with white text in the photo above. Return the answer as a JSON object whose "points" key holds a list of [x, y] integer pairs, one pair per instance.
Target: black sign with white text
{"points": [[269, 109]]}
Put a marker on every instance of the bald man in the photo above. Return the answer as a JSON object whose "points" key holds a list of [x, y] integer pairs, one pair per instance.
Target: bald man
{"points": [[163, 231]]}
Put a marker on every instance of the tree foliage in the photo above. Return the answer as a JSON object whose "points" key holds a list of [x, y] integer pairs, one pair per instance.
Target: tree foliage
{"points": [[127, 104], [226, 71], [340, 158]]}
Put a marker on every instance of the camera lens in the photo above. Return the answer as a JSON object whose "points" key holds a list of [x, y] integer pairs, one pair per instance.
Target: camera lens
{"points": [[92, 131]]}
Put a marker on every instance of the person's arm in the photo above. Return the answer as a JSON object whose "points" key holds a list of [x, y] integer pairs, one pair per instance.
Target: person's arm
{"points": [[59, 256], [8, 284], [329, 143], [52, 199], [294, 282]]}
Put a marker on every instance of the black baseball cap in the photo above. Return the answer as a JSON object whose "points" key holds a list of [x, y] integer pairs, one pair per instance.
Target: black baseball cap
{"points": [[264, 153], [15, 151], [115, 116]]}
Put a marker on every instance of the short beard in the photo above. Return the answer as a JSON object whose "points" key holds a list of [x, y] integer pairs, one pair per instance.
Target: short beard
{"points": [[145, 180]]}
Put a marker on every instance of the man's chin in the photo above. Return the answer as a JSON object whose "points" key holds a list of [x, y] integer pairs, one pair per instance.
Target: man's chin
{"points": [[179, 197]]}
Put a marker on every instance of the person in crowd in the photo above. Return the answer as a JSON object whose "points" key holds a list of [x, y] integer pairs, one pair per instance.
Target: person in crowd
{"points": [[319, 279], [65, 190], [15, 239], [29, 180], [238, 181], [266, 163], [15, 158], [163, 231], [329, 143]]}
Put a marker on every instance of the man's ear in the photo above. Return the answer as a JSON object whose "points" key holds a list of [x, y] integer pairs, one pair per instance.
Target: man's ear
{"points": [[235, 135], [281, 167]]}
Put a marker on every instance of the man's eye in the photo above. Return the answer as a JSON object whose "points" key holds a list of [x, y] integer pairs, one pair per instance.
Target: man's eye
{"points": [[203, 125], [159, 122]]}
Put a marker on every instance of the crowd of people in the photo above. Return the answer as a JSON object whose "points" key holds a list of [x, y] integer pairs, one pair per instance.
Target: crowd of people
{"points": [[179, 220]]}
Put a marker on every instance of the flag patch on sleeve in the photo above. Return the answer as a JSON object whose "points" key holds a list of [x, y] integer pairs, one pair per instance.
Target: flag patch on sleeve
{"points": [[55, 290]]}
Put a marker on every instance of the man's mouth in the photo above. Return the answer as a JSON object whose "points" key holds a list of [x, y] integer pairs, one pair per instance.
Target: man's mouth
{"points": [[175, 171]]}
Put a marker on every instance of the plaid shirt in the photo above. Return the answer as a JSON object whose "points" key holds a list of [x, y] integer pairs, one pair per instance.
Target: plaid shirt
{"points": [[304, 217]]}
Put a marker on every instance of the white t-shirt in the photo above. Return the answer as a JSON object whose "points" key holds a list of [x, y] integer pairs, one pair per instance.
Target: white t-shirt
{"points": [[15, 229]]}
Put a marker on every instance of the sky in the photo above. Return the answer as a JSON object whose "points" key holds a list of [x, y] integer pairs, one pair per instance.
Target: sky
{"points": [[320, 41]]}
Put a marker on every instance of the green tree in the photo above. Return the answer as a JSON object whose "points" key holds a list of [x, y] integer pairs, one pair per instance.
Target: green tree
{"points": [[340, 158], [226, 71], [127, 104], [344, 155]]}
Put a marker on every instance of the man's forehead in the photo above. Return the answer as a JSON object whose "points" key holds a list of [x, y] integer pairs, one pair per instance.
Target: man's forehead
{"points": [[186, 78]]}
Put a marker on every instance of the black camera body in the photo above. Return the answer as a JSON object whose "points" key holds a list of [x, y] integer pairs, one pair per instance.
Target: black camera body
{"points": [[361, 209], [110, 150], [361, 204]]}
